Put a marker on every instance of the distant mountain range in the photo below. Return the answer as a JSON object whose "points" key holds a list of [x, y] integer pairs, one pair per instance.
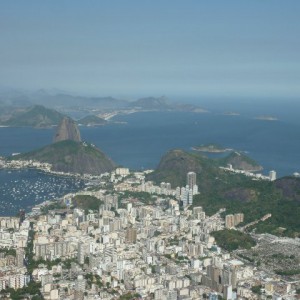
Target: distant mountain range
{"points": [[151, 103], [57, 99], [39, 116], [35, 116], [163, 103], [65, 102]]}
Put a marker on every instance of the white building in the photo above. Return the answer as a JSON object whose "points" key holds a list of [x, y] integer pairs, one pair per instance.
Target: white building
{"points": [[272, 175]]}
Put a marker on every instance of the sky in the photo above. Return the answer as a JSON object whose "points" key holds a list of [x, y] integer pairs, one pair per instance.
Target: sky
{"points": [[185, 48]]}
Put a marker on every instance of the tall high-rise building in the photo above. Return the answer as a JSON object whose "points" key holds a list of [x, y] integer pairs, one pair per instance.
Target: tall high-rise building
{"points": [[80, 283], [238, 218], [79, 288], [191, 179], [233, 220], [184, 193], [131, 234], [190, 196], [81, 253], [272, 175], [229, 221], [20, 258]]}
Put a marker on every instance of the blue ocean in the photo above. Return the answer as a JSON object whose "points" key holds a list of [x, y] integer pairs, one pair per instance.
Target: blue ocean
{"points": [[139, 140]]}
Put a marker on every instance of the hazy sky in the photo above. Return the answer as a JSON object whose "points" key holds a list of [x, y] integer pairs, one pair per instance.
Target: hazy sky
{"points": [[247, 48]]}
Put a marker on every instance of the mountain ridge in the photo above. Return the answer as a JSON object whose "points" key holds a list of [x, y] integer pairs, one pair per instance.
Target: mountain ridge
{"points": [[236, 192], [35, 116]]}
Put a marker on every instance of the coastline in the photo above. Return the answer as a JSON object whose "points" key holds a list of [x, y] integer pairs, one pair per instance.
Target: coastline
{"points": [[44, 168]]}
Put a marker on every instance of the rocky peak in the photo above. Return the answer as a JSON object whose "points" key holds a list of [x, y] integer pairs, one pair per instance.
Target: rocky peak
{"points": [[67, 130]]}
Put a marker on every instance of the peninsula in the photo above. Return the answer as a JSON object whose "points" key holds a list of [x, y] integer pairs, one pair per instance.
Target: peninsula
{"points": [[69, 154]]}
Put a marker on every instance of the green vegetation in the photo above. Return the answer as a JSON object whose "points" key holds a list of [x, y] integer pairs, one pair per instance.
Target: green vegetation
{"points": [[55, 205], [71, 156], [174, 166], [233, 239], [173, 241], [35, 116], [96, 279], [282, 256], [144, 197], [212, 147], [256, 289], [87, 202], [288, 272], [240, 161], [91, 120], [33, 264], [236, 192], [156, 233], [129, 296], [8, 251], [246, 257], [67, 262], [48, 263], [33, 288]]}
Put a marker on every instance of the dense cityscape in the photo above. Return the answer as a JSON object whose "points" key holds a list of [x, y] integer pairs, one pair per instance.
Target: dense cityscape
{"points": [[125, 238]]}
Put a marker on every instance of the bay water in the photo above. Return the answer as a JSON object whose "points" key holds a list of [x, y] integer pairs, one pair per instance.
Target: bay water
{"points": [[139, 140]]}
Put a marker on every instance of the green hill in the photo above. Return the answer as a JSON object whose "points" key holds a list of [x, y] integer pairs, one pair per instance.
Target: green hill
{"points": [[174, 166], [235, 192], [35, 116], [240, 161], [73, 157], [91, 120], [86, 202], [233, 239]]}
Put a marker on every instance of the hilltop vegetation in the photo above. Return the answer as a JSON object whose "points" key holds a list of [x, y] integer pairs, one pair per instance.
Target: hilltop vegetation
{"points": [[68, 154], [235, 192], [86, 202], [174, 166], [240, 161], [233, 239], [213, 148], [92, 120], [71, 156], [35, 116]]}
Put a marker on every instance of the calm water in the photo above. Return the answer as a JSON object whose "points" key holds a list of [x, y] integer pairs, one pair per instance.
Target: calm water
{"points": [[140, 143], [25, 188], [147, 136]]}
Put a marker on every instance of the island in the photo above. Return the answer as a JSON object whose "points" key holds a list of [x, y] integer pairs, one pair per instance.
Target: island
{"points": [[266, 118], [211, 148], [231, 113]]}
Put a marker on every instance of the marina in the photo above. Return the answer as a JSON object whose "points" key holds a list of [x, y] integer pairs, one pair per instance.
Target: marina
{"points": [[22, 189]]}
